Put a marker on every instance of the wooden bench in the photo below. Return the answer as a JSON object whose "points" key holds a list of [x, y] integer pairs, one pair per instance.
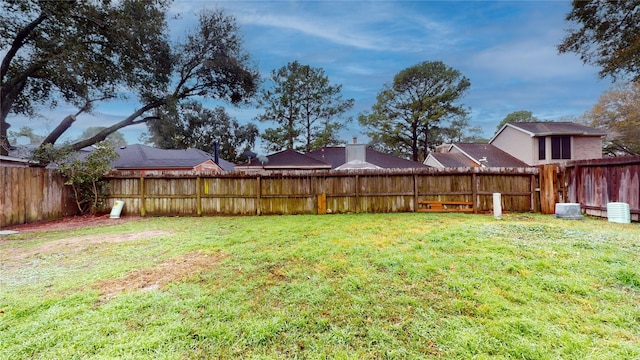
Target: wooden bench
{"points": [[445, 206]]}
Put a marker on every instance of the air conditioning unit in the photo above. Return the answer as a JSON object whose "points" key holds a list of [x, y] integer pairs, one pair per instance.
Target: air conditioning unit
{"points": [[618, 212]]}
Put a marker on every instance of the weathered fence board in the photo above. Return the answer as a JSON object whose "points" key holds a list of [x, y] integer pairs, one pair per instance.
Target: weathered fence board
{"points": [[33, 194], [594, 183], [549, 188], [297, 192]]}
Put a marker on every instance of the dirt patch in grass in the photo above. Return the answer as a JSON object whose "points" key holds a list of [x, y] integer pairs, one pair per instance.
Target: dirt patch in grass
{"points": [[172, 270], [74, 245], [71, 222]]}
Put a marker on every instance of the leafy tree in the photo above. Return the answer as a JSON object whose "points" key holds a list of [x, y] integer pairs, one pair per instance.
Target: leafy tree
{"points": [[208, 63], [115, 139], [27, 132], [408, 109], [193, 126], [618, 113], [517, 116], [605, 34], [304, 105], [83, 173], [460, 130], [77, 52]]}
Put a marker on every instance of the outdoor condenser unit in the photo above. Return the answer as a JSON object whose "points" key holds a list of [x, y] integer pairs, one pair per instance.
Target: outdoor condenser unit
{"points": [[618, 212]]}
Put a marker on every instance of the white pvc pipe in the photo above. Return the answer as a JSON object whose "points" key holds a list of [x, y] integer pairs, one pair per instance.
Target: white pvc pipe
{"points": [[497, 206]]}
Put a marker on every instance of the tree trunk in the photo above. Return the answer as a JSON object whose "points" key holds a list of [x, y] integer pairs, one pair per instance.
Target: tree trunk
{"points": [[4, 142], [59, 130]]}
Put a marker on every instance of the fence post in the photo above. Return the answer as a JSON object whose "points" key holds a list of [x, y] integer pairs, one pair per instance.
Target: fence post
{"points": [[258, 196], [143, 208], [322, 204], [548, 188], [532, 187], [357, 182], [415, 192], [198, 196], [474, 191]]}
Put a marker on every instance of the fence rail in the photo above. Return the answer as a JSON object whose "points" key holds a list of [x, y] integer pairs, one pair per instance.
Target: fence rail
{"points": [[297, 192]]}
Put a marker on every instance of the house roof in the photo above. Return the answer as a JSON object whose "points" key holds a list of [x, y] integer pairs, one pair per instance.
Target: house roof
{"points": [[145, 157], [288, 159], [13, 161], [549, 128], [357, 164], [336, 157], [449, 160], [22, 151], [489, 155]]}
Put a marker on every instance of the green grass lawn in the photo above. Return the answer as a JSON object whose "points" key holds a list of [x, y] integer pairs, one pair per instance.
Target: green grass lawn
{"points": [[367, 286]]}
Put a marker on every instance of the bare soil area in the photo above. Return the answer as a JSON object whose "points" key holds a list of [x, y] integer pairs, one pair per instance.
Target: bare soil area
{"points": [[172, 270], [14, 255], [72, 222], [158, 276]]}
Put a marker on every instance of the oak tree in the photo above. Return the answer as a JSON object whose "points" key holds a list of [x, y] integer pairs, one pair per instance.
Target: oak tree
{"points": [[77, 52], [618, 113], [115, 139], [605, 34], [102, 50]]}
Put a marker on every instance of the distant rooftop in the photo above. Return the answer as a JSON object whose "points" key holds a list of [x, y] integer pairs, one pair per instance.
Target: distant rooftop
{"points": [[145, 157], [288, 159], [489, 155], [556, 128], [452, 160], [335, 156]]}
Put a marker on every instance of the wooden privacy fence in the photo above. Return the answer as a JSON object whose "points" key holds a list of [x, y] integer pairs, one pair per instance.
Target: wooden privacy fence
{"points": [[312, 192], [33, 194], [594, 183]]}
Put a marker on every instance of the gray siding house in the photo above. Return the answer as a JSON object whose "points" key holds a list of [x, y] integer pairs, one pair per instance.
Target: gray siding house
{"points": [[539, 143]]}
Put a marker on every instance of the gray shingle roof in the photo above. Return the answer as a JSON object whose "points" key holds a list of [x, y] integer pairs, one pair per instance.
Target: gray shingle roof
{"points": [[289, 159], [336, 157], [493, 157], [557, 128], [146, 157], [450, 160]]}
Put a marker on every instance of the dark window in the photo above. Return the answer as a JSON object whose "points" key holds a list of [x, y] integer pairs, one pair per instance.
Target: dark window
{"points": [[561, 147], [542, 148]]}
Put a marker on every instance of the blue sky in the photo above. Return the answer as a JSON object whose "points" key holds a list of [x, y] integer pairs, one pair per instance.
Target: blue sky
{"points": [[507, 49]]}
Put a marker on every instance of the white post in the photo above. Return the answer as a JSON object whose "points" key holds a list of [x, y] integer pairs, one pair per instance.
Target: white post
{"points": [[497, 206]]}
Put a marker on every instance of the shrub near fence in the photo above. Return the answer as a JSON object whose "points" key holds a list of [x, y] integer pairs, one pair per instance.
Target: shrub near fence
{"points": [[33, 194], [297, 192]]}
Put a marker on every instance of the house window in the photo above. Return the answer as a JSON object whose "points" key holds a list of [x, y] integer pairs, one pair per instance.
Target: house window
{"points": [[542, 148], [560, 147]]}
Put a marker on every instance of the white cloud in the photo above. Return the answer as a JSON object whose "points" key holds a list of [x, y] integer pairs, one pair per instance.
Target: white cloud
{"points": [[530, 59], [361, 25]]}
